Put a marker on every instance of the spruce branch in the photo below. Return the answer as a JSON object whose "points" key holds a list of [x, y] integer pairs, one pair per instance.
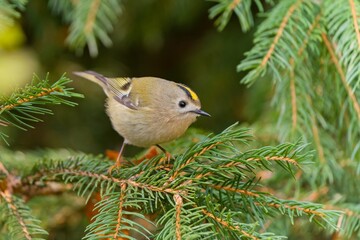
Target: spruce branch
{"points": [[178, 206], [349, 221], [229, 226], [355, 19], [293, 209], [317, 141], [214, 174], [297, 45], [18, 218], [184, 219], [92, 20], [114, 215], [64, 8], [293, 92], [120, 211], [275, 41], [341, 73], [10, 10], [22, 107], [223, 11], [343, 28]]}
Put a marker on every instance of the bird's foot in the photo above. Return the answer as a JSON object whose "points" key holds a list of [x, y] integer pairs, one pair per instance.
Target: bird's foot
{"points": [[114, 167]]}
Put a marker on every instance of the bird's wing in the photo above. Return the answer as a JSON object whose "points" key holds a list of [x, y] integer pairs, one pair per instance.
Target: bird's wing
{"points": [[117, 88], [120, 89]]}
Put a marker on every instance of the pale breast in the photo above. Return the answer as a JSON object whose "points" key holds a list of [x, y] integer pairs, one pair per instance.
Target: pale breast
{"points": [[145, 127]]}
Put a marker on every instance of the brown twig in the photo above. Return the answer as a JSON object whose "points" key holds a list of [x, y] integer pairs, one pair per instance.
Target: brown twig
{"points": [[234, 164], [355, 21], [45, 92], [293, 94], [160, 167], [4, 170], [336, 62], [6, 195], [177, 172], [279, 33], [178, 205], [308, 34], [276, 158], [10, 182], [316, 135], [230, 189], [32, 190], [292, 70], [228, 225], [305, 210], [347, 212], [120, 212], [336, 234], [89, 24], [122, 181]]}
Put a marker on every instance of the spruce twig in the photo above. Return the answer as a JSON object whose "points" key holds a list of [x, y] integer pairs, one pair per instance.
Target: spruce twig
{"points": [[20, 109], [177, 193]]}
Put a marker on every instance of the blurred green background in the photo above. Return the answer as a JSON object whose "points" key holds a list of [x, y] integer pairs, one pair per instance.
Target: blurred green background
{"points": [[174, 40]]}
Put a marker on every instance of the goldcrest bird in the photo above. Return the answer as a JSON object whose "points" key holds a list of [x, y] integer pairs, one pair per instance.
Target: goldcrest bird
{"points": [[147, 111]]}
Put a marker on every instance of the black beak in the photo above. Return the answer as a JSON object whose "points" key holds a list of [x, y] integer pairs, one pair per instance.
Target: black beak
{"points": [[201, 112]]}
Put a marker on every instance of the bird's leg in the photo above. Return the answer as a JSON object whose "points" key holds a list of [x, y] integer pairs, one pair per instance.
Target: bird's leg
{"points": [[118, 159], [167, 154]]}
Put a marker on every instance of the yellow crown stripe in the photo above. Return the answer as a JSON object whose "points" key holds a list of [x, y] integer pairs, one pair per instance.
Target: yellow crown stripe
{"points": [[190, 92]]}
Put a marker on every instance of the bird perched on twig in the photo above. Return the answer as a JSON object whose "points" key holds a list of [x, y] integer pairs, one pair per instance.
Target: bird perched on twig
{"points": [[147, 111]]}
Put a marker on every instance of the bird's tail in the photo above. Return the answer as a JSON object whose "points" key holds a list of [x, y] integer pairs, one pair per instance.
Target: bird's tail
{"points": [[94, 77]]}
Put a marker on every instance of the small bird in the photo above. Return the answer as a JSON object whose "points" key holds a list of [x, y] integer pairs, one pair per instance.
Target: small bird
{"points": [[147, 111]]}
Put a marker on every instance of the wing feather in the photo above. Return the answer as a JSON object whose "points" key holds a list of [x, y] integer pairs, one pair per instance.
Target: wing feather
{"points": [[117, 88]]}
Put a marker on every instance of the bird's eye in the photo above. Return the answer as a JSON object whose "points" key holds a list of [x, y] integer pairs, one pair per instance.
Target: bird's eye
{"points": [[182, 104]]}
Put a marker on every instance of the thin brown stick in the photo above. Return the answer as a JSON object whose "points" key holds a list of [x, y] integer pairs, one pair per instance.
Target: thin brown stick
{"points": [[336, 62], [308, 33], [89, 25], [355, 21], [276, 158], [45, 92], [122, 181], [120, 212], [268, 158], [293, 94], [292, 71], [177, 172], [316, 135], [10, 182], [346, 211], [4, 170], [178, 204], [339, 223], [227, 225], [29, 191], [167, 167], [305, 210], [279, 33], [6, 195], [230, 189]]}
